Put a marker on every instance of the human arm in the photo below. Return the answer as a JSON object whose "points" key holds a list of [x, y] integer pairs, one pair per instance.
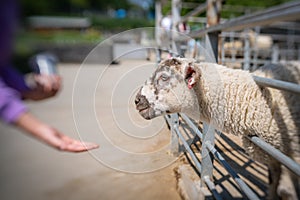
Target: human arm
{"points": [[36, 87], [51, 136], [13, 111]]}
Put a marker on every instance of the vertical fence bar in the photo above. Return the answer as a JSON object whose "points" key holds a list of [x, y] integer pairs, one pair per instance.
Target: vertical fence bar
{"points": [[246, 65], [222, 50], [255, 48], [174, 137], [298, 52], [275, 54], [211, 44], [207, 159], [232, 47]]}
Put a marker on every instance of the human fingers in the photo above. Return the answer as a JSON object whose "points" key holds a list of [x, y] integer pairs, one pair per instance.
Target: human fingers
{"points": [[77, 146]]}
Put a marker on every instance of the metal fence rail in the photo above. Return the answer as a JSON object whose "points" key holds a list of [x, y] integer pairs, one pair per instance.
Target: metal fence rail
{"points": [[285, 11], [278, 155], [199, 9], [198, 166], [278, 84], [243, 186]]}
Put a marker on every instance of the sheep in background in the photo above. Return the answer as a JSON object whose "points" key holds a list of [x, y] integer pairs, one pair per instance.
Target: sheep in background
{"points": [[232, 102], [261, 43], [233, 48]]}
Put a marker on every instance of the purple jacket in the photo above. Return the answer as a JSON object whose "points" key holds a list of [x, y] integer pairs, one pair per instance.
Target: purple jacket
{"points": [[11, 107], [11, 82]]}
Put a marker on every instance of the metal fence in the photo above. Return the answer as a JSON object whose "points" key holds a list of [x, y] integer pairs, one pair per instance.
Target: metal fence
{"points": [[287, 11]]}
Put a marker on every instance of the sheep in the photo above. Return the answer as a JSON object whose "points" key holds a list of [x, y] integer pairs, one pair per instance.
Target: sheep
{"points": [[262, 44], [232, 102]]}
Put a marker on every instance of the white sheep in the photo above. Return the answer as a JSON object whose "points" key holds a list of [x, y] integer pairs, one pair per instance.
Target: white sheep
{"points": [[262, 44], [231, 101]]}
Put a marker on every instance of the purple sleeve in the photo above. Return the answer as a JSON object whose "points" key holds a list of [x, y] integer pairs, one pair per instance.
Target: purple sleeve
{"points": [[11, 107], [8, 23], [13, 78]]}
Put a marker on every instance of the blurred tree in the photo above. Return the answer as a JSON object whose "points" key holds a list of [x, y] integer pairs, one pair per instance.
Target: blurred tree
{"points": [[255, 3], [67, 7], [115, 4], [80, 3]]}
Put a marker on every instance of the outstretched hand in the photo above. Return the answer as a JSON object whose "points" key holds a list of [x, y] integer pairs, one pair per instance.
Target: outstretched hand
{"points": [[65, 143], [51, 136]]}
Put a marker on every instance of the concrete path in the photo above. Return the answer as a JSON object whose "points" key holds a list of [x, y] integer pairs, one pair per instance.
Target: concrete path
{"points": [[31, 170]]}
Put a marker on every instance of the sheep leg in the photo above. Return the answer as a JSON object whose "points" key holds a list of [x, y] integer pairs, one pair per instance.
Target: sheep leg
{"points": [[274, 176], [296, 181], [286, 189]]}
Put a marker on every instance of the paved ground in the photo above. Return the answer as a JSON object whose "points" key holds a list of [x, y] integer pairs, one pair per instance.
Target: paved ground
{"points": [[31, 170]]}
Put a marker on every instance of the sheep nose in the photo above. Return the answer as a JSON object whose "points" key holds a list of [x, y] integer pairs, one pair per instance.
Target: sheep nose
{"points": [[141, 100], [137, 100]]}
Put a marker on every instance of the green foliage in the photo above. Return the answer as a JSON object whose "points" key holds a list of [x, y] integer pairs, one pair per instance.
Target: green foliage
{"points": [[27, 43], [69, 7], [80, 3], [249, 3], [113, 24], [58, 37], [249, 6], [256, 3]]}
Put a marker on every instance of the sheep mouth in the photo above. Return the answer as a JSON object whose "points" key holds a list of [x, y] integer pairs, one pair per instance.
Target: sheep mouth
{"points": [[143, 110], [146, 113]]}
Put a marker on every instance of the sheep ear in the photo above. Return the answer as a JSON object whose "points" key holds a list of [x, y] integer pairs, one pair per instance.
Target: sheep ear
{"points": [[191, 76]]}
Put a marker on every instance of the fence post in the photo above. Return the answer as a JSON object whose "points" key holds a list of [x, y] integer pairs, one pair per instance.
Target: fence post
{"points": [[207, 159], [298, 52], [211, 44], [213, 18], [255, 49], [176, 8], [222, 50], [174, 137], [275, 54], [246, 65], [233, 50]]}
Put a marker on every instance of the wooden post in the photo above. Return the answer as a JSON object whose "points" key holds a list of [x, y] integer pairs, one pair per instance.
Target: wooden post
{"points": [[158, 17], [213, 18], [176, 8]]}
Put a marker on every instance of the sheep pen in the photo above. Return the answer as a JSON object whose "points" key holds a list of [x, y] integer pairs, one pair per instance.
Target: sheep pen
{"points": [[232, 102]]}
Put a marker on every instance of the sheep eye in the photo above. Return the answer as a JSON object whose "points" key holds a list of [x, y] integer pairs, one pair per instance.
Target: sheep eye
{"points": [[164, 77]]}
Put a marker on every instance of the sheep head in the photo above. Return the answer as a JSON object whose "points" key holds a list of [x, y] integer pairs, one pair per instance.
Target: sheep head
{"points": [[169, 89]]}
